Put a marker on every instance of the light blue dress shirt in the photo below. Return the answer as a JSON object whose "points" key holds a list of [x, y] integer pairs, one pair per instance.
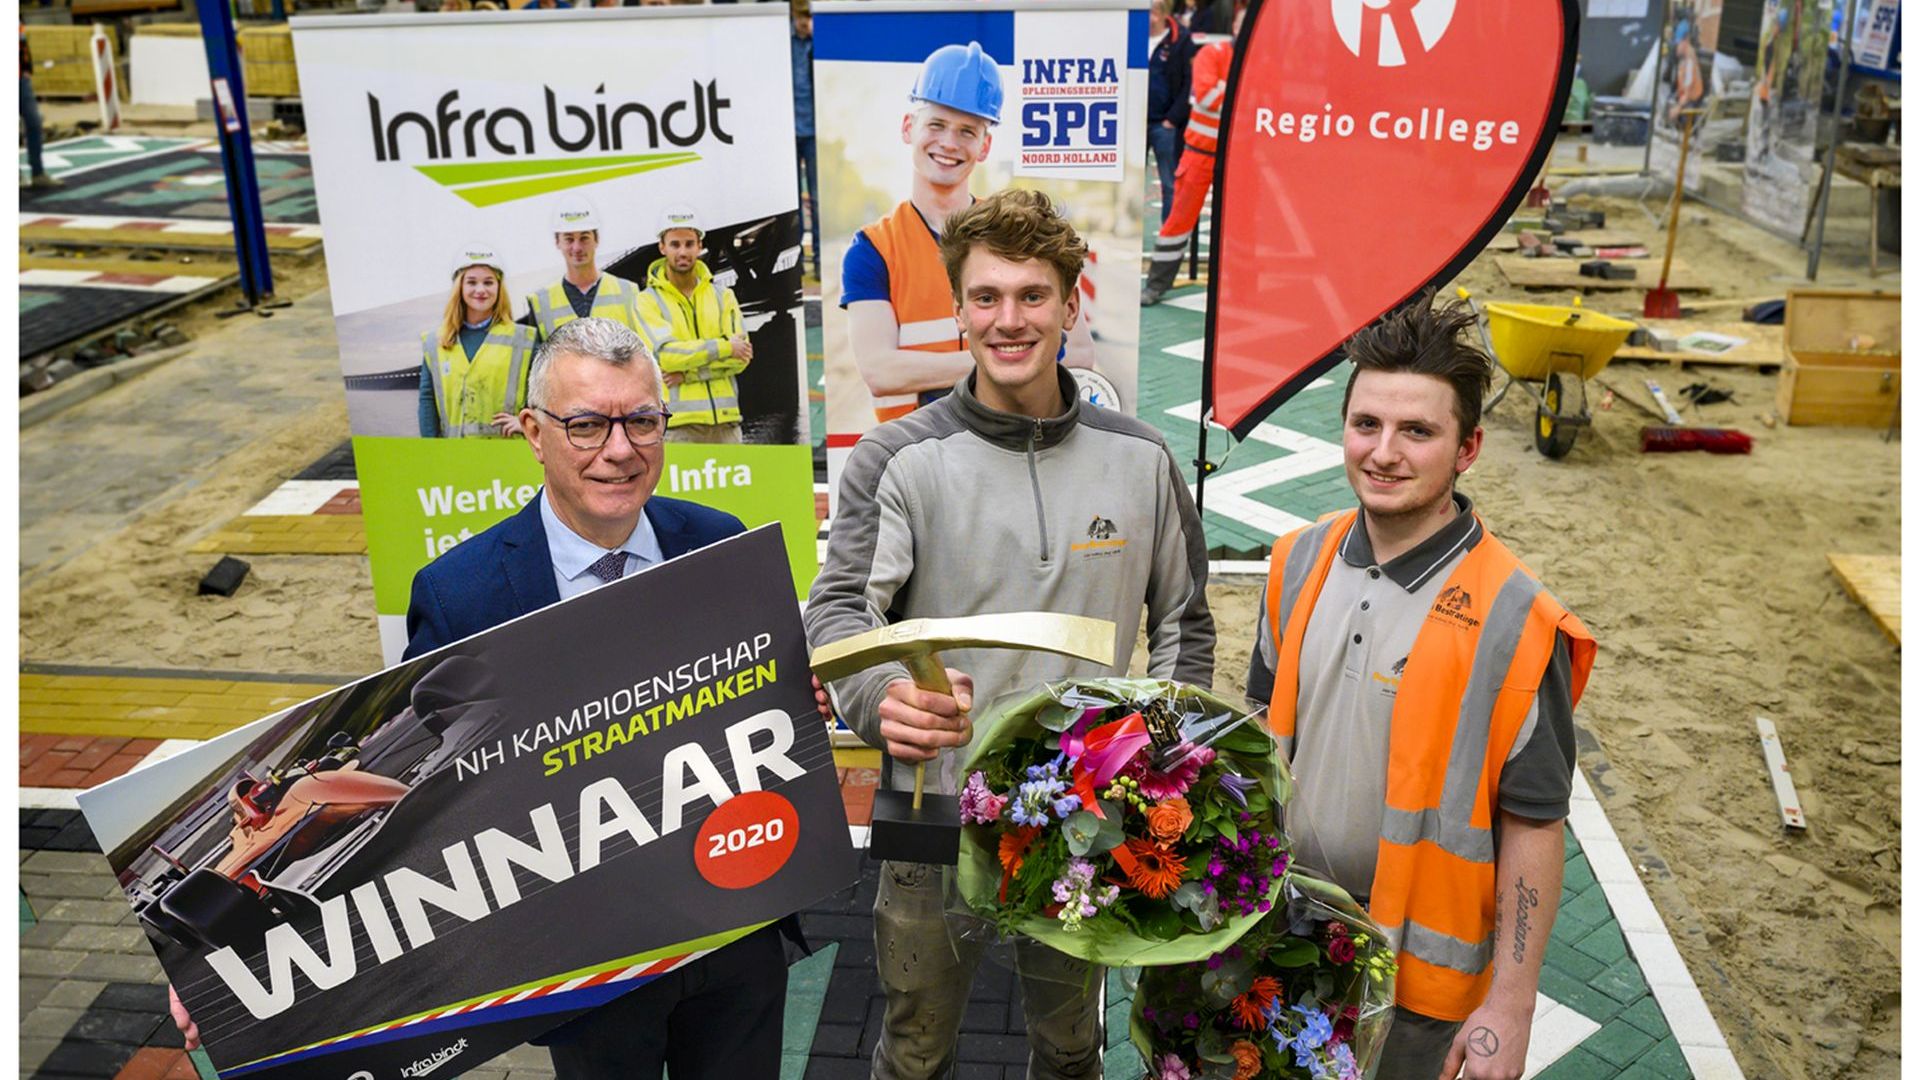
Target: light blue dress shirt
{"points": [[573, 554]]}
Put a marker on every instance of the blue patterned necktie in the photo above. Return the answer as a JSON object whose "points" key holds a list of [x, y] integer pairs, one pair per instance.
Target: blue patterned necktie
{"points": [[609, 567]]}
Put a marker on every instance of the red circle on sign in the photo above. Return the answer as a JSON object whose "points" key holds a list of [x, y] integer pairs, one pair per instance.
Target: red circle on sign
{"points": [[746, 840]]}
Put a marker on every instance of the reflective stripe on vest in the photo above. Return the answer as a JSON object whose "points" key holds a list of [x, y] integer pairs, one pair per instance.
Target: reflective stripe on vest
{"points": [[467, 393], [691, 327], [919, 292], [614, 298], [1453, 728], [1210, 67]]}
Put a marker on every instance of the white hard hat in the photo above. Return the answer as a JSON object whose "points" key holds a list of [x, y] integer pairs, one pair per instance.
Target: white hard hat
{"points": [[477, 255], [680, 217], [573, 213]]}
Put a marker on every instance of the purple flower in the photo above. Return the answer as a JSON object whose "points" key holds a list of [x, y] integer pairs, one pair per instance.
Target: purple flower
{"points": [[978, 804], [1236, 786], [1191, 1021]]}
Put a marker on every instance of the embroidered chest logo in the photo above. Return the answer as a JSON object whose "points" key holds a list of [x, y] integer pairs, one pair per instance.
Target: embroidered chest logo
{"points": [[1389, 680], [1455, 607], [1103, 539]]}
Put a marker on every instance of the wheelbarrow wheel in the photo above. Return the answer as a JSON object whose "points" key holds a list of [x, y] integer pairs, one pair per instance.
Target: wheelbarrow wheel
{"points": [[1565, 395]]}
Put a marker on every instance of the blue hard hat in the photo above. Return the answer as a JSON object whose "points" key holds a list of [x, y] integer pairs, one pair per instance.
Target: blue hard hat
{"points": [[961, 77]]}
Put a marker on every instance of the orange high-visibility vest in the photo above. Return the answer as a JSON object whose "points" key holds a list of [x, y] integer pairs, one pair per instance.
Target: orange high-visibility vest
{"points": [[918, 289], [1469, 682], [1210, 67]]}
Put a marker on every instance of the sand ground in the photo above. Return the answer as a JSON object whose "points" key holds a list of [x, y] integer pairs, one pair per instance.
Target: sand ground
{"points": [[1703, 577]]}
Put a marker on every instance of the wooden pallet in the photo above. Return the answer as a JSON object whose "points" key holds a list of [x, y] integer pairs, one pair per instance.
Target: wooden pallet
{"points": [[1764, 347], [60, 236], [1565, 274], [1874, 581]]}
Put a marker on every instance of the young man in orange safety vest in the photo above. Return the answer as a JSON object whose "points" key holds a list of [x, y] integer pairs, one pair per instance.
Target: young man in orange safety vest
{"points": [[899, 305], [1195, 176], [1422, 683]]}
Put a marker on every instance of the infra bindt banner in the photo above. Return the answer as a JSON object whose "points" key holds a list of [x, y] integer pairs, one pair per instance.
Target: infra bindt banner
{"points": [[488, 170], [924, 106], [432, 865]]}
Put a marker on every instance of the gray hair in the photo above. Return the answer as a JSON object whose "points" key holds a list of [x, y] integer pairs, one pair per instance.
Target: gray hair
{"points": [[600, 339]]}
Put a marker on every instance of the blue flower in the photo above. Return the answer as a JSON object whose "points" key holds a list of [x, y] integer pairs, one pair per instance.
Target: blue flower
{"points": [[1065, 805], [1315, 1028]]}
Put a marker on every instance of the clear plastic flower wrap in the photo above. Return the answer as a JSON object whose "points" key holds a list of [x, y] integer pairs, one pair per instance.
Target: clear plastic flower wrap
{"points": [[1122, 821], [1306, 993]]}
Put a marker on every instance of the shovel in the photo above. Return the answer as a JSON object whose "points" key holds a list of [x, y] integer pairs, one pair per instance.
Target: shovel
{"points": [[1662, 302]]}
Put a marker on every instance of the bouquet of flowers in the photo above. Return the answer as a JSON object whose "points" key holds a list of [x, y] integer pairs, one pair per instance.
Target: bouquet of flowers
{"points": [[1305, 995], [1123, 821]]}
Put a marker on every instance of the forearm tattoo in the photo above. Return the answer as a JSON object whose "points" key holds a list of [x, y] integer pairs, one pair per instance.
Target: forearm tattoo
{"points": [[1524, 901]]}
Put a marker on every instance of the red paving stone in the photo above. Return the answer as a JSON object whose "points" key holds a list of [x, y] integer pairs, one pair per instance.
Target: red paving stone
{"points": [[183, 1070], [346, 502], [32, 746], [128, 279], [117, 766], [77, 761], [156, 1063], [97, 754], [856, 794], [73, 744]]}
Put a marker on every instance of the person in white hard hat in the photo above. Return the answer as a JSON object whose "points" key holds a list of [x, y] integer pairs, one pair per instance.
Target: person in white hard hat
{"points": [[585, 290], [474, 367], [697, 332], [899, 305]]}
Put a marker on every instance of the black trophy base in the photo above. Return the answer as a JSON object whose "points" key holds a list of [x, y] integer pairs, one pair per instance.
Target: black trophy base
{"points": [[900, 833]]}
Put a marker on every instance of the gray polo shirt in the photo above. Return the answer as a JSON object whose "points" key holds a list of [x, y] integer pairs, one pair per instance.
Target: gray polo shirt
{"points": [[1361, 631]]}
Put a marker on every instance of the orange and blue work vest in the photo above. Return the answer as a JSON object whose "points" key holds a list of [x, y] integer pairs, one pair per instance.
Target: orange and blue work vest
{"points": [[919, 292], [1464, 696]]}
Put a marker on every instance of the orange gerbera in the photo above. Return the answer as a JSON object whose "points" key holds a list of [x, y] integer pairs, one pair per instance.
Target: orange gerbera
{"points": [[1250, 1008], [1246, 1057], [1013, 848], [1152, 868]]}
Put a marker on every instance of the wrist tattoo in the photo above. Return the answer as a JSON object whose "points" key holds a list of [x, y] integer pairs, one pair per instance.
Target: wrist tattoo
{"points": [[1524, 901], [1482, 1042]]}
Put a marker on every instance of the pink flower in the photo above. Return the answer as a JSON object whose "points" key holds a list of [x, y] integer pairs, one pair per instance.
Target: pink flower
{"points": [[978, 804], [1172, 1068], [1340, 950], [1188, 761]]}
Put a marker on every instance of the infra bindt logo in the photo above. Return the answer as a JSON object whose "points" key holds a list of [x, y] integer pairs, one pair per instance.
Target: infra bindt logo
{"points": [[1391, 32]]}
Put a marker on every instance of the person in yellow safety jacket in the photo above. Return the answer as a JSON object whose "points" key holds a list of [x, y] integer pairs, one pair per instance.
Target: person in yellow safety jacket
{"points": [[1422, 684], [697, 333], [893, 286], [584, 290], [474, 366], [1194, 178]]}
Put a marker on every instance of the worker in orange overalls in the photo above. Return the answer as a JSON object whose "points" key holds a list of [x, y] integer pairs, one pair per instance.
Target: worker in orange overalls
{"points": [[1195, 176]]}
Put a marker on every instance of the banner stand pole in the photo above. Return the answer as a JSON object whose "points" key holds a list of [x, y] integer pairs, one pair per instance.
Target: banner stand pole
{"points": [[1202, 467], [1833, 143], [231, 127]]}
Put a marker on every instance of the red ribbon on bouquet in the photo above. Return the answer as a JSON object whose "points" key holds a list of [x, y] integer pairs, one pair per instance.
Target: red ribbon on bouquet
{"points": [[1101, 754]]}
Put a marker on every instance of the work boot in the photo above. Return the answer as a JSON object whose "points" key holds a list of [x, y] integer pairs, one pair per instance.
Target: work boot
{"points": [[44, 181], [1150, 296], [1160, 275]]}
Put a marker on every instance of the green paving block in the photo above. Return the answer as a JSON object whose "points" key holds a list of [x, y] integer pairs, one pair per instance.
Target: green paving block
{"points": [[1575, 964], [1576, 1064], [26, 912], [1645, 1014], [1622, 981], [806, 995], [203, 1065], [1578, 996], [1619, 1042], [1587, 910], [1604, 943], [1663, 1061], [1123, 1063], [1579, 876]]}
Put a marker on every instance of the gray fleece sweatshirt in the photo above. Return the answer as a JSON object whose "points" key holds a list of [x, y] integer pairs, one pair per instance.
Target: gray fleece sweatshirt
{"points": [[957, 509]]}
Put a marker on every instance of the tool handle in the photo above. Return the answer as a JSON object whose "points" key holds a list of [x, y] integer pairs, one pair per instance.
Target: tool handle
{"points": [[929, 673], [1679, 195]]}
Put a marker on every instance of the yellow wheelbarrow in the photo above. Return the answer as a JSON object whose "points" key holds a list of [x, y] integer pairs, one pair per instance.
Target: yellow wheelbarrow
{"points": [[1559, 348]]}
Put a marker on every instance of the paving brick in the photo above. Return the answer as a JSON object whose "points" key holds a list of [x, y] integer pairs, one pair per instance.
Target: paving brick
{"points": [[1622, 981], [133, 997], [826, 1068], [33, 1051], [75, 993], [1576, 1064], [118, 1026], [1574, 963], [63, 862], [838, 1040], [1578, 996], [112, 939], [49, 962], [152, 1063], [50, 1021], [1663, 1061], [1645, 1014], [1618, 1043], [44, 935], [100, 912], [1005, 1049], [1579, 876], [34, 993], [119, 967], [74, 1057], [1604, 943]]}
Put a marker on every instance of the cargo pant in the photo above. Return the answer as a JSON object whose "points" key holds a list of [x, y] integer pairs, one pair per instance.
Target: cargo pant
{"points": [[928, 975]]}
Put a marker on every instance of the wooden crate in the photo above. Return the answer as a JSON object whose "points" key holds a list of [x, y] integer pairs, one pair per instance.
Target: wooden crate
{"points": [[62, 60], [266, 58], [1842, 358]]}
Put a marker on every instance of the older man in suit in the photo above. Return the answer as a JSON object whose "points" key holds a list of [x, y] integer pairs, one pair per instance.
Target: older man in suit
{"points": [[594, 420]]}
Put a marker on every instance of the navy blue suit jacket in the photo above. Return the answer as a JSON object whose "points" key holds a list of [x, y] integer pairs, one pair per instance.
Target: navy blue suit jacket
{"points": [[507, 571]]}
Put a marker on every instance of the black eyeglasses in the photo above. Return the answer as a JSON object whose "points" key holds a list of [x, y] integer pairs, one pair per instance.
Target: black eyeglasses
{"points": [[590, 431]]}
